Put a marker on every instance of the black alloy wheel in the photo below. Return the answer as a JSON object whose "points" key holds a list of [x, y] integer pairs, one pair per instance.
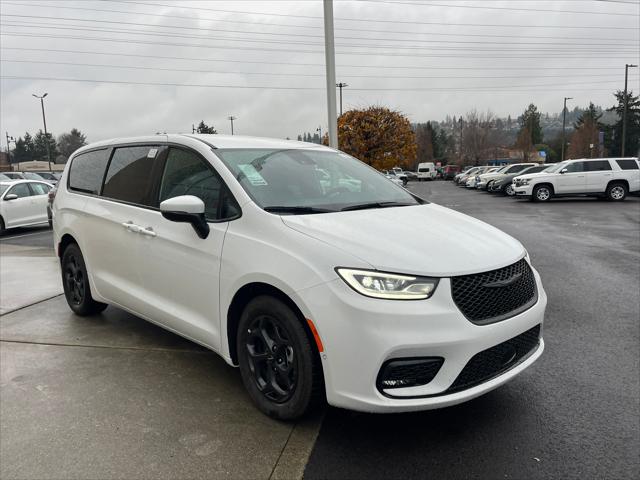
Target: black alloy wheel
{"points": [[279, 365], [75, 282], [272, 358]]}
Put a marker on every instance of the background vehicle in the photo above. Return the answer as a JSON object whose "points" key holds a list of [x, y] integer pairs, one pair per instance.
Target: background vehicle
{"points": [[504, 183], [461, 178], [395, 178], [32, 176], [426, 171], [23, 203], [486, 178], [450, 171], [612, 178], [473, 179], [49, 177], [401, 175], [14, 175], [4, 178]]}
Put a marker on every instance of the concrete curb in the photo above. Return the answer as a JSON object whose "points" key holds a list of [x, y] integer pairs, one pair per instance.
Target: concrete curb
{"points": [[296, 452]]}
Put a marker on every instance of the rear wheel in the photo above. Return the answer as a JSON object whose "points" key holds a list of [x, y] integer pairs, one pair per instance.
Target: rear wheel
{"points": [[75, 282], [2, 229], [616, 192], [542, 193], [278, 364]]}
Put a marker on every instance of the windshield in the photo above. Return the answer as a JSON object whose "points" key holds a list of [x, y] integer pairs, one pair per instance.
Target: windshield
{"points": [[311, 179], [555, 168], [32, 176]]}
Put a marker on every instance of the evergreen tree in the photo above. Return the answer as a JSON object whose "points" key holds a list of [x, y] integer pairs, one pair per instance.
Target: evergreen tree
{"points": [[613, 137], [530, 123], [204, 128], [40, 146], [70, 142], [21, 153]]}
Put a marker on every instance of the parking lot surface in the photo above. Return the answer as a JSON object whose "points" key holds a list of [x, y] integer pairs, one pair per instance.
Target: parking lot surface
{"points": [[573, 414], [112, 396]]}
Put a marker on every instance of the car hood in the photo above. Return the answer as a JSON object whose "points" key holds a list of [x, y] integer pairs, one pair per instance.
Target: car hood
{"points": [[422, 239], [533, 175]]}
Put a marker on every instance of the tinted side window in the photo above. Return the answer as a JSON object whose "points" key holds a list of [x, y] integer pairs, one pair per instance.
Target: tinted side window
{"points": [[39, 188], [575, 167], [627, 164], [597, 166], [516, 168], [130, 174], [186, 173], [21, 190], [87, 171]]}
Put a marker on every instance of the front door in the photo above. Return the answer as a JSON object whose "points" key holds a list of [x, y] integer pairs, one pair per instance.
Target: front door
{"points": [[180, 270], [573, 180], [19, 211], [39, 199]]}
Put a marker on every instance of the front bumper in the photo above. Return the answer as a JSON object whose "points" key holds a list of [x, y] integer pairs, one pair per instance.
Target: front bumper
{"points": [[523, 190], [360, 333]]}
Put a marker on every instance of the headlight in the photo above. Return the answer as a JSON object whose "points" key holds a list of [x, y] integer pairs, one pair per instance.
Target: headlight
{"points": [[388, 285], [524, 181]]}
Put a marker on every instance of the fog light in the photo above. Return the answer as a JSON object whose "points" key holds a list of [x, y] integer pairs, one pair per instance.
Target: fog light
{"points": [[408, 372]]}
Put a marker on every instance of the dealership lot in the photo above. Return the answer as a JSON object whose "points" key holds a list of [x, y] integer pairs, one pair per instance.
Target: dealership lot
{"points": [[113, 396]]}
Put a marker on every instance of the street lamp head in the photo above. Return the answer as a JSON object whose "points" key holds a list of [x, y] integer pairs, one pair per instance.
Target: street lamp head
{"points": [[45, 95]]}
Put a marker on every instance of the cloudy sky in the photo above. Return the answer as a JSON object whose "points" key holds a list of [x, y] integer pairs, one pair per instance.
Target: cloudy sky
{"points": [[161, 65]]}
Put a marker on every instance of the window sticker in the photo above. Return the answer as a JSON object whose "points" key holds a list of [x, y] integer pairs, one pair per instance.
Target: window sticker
{"points": [[152, 153], [252, 174]]}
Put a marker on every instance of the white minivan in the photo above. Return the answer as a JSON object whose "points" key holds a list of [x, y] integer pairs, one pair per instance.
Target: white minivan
{"points": [[426, 171], [303, 266]]}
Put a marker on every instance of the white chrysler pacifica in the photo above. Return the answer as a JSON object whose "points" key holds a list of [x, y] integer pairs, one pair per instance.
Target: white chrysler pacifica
{"points": [[303, 266]]}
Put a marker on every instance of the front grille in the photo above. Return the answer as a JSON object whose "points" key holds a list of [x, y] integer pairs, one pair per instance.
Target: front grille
{"points": [[493, 296], [496, 360]]}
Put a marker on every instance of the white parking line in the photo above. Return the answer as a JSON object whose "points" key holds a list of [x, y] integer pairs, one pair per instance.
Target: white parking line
{"points": [[24, 235]]}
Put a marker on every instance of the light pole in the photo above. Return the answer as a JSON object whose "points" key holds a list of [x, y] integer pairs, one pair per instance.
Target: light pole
{"points": [[626, 103], [564, 119], [330, 64], [231, 118], [341, 85], [319, 130], [9, 140], [44, 120]]}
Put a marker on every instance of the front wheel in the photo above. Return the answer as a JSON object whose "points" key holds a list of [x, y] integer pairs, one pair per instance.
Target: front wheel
{"points": [[75, 282], [278, 364], [616, 192], [542, 193], [509, 190]]}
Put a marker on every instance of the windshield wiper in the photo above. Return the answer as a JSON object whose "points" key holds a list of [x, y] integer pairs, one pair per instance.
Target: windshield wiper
{"points": [[295, 209], [364, 206]]}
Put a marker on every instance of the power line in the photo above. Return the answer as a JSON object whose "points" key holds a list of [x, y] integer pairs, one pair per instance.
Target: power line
{"points": [[306, 35], [296, 64], [485, 7], [488, 7], [402, 22], [553, 48], [498, 89], [286, 74], [375, 53]]}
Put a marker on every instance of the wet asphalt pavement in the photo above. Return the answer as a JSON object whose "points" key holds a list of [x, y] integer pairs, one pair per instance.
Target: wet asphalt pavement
{"points": [[573, 414]]}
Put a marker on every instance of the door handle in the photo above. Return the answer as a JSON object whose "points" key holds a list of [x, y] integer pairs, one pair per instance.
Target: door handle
{"points": [[132, 227], [147, 231]]}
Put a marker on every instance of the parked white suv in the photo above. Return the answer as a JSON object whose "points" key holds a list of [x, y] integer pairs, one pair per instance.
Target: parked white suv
{"points": [[313, 289], [612, 178]]}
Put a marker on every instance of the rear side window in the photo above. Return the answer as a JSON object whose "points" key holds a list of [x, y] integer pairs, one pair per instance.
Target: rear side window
{"points": [[597, 166], [628, 164], [186, 173], [87, 171], [39, 188], [130, 174]]}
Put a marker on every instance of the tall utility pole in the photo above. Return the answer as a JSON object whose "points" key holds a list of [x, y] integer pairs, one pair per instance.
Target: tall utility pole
{"points": [[626, 105], [341, 85], [330, 61], [319, 130], [231, 118], [44, 120], [564, 119]]}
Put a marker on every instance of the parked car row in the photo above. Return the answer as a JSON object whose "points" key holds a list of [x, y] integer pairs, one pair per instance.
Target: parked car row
{"points": [[49, 177], [611, 178]]}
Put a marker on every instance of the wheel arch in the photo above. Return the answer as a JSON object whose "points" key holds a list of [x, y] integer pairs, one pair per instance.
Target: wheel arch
{"points": [[243, 296], [66, 240], [544, 184], [618, 180]]}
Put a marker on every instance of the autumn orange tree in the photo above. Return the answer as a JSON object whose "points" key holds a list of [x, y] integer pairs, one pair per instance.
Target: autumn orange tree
{"points": [[378, 136]]}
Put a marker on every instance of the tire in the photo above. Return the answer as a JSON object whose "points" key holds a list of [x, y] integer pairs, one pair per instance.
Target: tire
{"points": [[616, 192], [2, 229], [271, 338], [508, 190], [542, 193], [75, 282]]}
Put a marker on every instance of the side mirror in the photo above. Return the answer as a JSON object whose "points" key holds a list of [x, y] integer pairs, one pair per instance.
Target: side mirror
{"points": [[564, 170], [11, 196], [186, 209]]}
